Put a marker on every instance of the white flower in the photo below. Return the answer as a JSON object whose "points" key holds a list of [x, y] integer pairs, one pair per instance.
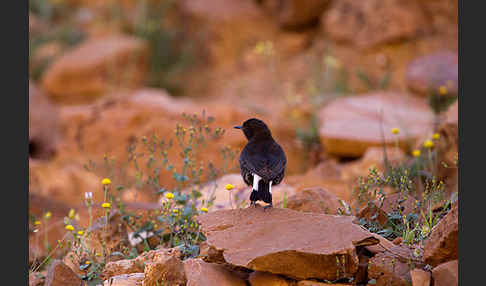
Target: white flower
{"points": [[88, 195]]}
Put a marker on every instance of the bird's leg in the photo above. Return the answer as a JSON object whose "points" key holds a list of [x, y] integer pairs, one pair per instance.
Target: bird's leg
{"points": [[270, 190]]}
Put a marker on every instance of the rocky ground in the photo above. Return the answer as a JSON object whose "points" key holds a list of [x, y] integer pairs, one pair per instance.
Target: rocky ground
{"points": [[332, 78]]}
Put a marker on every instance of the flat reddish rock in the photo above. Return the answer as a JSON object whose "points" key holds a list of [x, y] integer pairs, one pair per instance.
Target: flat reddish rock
{"points": [[200, 273], [282, 241], [430, 72], [96, 65], [350, 125], [442, 243]]}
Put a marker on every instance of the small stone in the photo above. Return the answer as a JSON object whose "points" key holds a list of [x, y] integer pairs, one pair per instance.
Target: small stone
{"points": [[446, 274], [59, 274], [420, 277]]}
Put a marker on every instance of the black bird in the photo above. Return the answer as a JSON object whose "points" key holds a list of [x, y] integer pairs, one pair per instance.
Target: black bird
{"points": [[262, 161]]}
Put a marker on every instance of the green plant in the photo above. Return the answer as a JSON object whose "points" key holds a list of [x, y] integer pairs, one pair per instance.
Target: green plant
{"points": [[174, 223]]}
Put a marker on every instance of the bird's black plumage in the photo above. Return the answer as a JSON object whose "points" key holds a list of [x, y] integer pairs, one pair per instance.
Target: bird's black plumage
{"points": [[261, 156]]}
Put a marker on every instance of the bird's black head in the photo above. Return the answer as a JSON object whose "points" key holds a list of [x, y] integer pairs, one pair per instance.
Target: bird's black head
{"points": [[255, 129]]}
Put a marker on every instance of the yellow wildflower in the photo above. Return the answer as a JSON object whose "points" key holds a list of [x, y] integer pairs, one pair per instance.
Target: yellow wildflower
{"points": [[169, 196], [106, 205], [428, 144], [436, 136], [37, 222], [205, 210], [80, 232], [69, 227], [416, 153], [98, 254], [48, 215], [175, 211], [87, 262], [442, 90], [106, 181], [71, 213], [395, 130], [229, 187]]}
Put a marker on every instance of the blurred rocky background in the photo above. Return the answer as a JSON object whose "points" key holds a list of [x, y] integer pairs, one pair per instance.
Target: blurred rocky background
{"points": [[332, 78]]}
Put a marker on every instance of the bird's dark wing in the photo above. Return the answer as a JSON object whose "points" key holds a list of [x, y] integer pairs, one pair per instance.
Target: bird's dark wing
{"points": [[267, 162]]}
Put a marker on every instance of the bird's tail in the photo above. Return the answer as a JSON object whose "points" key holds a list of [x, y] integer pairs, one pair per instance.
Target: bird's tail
{"points": [[263, 193]]}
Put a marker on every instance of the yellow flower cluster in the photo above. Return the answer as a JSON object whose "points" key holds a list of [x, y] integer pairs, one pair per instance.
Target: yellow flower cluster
{"points": [[229, 187], [169, 196], [106, 205], [428, 144], [395, 130], [416, 153], [69, 227], [204, 210], [106, 181]]}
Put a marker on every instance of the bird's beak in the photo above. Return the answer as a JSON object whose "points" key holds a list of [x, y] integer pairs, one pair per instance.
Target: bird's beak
{"points": [[238, 127]]}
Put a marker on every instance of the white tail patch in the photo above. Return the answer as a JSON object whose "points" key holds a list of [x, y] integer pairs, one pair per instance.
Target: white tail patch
{"points": [[256, 179], [270, 187]]}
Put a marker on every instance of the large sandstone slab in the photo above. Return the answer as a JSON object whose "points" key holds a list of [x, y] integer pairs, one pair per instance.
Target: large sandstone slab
{"points": [[282, 241], [96, 66], [350, 125]]}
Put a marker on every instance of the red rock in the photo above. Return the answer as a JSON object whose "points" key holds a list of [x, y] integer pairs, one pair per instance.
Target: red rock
{"points": [[316, 200], [420, 277], [94, 67], [349, 126], [295, 13], [442, 243], [428, 73], [166, 267], [397, 241], [133, 279], [259, 278], [372, 213], [44, 126], [373, 22], [386, 269], [124, 266], [60, 275], [446, 274], [200, 273], [252, 238]]}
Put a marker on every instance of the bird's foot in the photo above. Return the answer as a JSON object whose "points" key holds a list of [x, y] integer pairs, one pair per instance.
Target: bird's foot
{"points": [[267, 207]]}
